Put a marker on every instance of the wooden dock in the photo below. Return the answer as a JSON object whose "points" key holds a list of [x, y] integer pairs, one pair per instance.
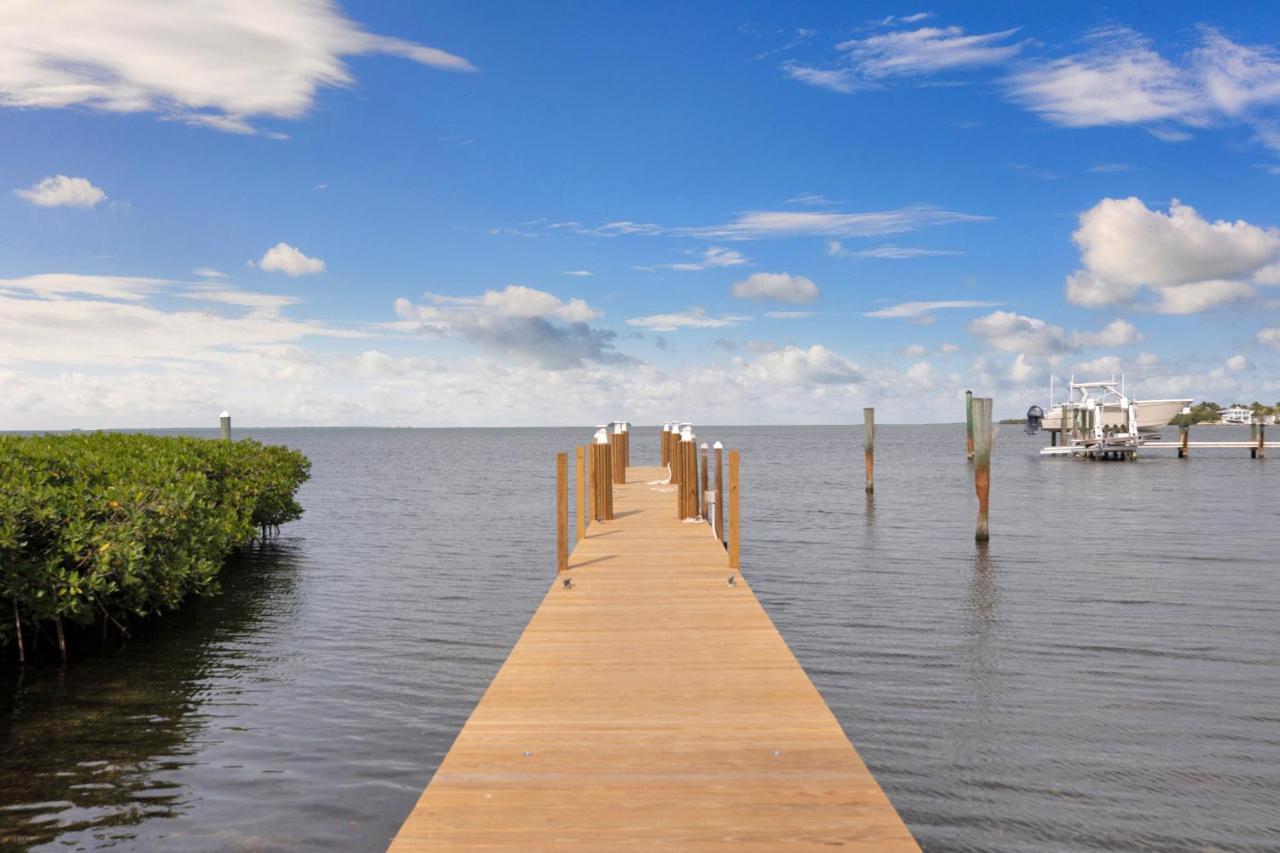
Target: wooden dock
{"points": [[652, 704]]}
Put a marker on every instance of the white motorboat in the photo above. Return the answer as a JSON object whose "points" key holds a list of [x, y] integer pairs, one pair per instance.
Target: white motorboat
{"points": [[1151, 415]]}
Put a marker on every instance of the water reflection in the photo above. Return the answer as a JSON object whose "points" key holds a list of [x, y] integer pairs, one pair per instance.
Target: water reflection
{"points": [[87, 750]]}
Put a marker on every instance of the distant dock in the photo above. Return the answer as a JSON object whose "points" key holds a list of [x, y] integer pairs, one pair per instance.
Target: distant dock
{"points": [[651, 704]]}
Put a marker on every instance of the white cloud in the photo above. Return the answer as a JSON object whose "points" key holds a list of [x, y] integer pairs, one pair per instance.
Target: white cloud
{"points": [[796, 366], [516, 322], [1111, 168], [1148, 359], [693, 318], [208, 272], [921, 310], [777, 287], [1117, 333], [927, 50], [1183, 262], [1270, 337], [61, 191], [758, 224], [1012, 332], [176, 59], [841, 80], [1238, 362], [579, 273], [712, 257], [289, 260], [914, 350], [789, 315], [948, 348], [1120, 80], [1105, 365], [812, 200], [889, 252]]}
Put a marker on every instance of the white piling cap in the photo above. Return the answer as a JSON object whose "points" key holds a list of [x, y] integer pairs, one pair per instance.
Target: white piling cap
{"points": [[625, 426], [717, 446], [686, 432], [704, 445], [602, 436], [617, 428], [225, 414]]}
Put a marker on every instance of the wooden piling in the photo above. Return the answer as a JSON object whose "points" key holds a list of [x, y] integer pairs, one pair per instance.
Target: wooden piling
{"points": [[619, 467], [1262, 441], [562, 512], [601, 478], [1253, 439], [982, 462], [735, 547], [703, 481], [719, 449], [968, 423], [687, 462], [224, 426], [869, 450], [1183, 451], [581, 492]]}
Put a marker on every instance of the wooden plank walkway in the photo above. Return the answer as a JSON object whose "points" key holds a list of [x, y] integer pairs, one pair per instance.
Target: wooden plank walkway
{"points": [[651, 705]]}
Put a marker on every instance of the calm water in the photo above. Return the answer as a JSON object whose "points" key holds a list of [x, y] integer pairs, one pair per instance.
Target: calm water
{"points": [[1105, 676]]}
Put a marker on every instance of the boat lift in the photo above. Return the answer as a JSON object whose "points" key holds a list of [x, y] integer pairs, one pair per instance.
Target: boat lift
{"points": [[1085, 429]]}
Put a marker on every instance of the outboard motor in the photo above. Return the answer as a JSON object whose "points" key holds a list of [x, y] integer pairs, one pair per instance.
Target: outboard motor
{"points": [[1035, 415]]}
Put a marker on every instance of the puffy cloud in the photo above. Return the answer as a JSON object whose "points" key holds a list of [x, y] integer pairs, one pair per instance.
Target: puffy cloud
{"points": [[1117, 333], [1270, 337], [518, 322], [61, 191], [1012, 332], [777, 287], [1148, 359], [948, 348], [796, 366], [1238, 362], [693, 318], [1184, 263], [172, 59], [914, 350], [289, 260]]}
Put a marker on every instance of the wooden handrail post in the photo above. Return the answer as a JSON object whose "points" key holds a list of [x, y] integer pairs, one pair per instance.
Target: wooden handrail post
{"points": [[869, 435], [968, 423], [581, 492], [735, 548], [982, 462], [562, 512]]}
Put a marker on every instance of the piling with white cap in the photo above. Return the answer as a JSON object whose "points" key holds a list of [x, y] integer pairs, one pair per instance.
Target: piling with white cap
{"points": [[224, 425], [719, 515], [687, 463], [617, 440], [601, 475]]}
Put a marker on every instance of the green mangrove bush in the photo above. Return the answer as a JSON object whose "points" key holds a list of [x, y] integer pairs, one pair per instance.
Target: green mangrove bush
{"points": [[104, 527]]}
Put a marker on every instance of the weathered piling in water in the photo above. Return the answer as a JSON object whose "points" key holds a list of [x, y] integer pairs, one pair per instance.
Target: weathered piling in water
{"points": [[968, 424], [735, 547], [581, 492], [562, 512], [869, 446], [1253, 439], [1185, 432], [719, 449], [1262, 441], [224, 426], [602, 477], [982, 462]]}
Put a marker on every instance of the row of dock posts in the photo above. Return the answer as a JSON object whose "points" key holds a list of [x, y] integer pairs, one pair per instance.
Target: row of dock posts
{"points": [[604, 462]]}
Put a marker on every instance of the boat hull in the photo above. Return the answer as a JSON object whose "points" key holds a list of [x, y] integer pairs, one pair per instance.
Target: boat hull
{"points": [[1152, 415]]}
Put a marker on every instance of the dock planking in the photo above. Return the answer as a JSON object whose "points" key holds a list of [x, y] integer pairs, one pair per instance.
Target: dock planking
{"points": [[651, 704]]}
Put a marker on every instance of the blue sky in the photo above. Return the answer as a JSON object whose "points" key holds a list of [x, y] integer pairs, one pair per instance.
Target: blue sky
{"points": [[484, 214]]}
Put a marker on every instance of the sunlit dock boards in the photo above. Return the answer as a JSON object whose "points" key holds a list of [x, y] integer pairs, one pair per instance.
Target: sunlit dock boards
{"points": [[651, 705]]}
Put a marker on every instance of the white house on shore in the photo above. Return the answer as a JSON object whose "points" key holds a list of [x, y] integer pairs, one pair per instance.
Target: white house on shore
{"points": [[1236, 415]]}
